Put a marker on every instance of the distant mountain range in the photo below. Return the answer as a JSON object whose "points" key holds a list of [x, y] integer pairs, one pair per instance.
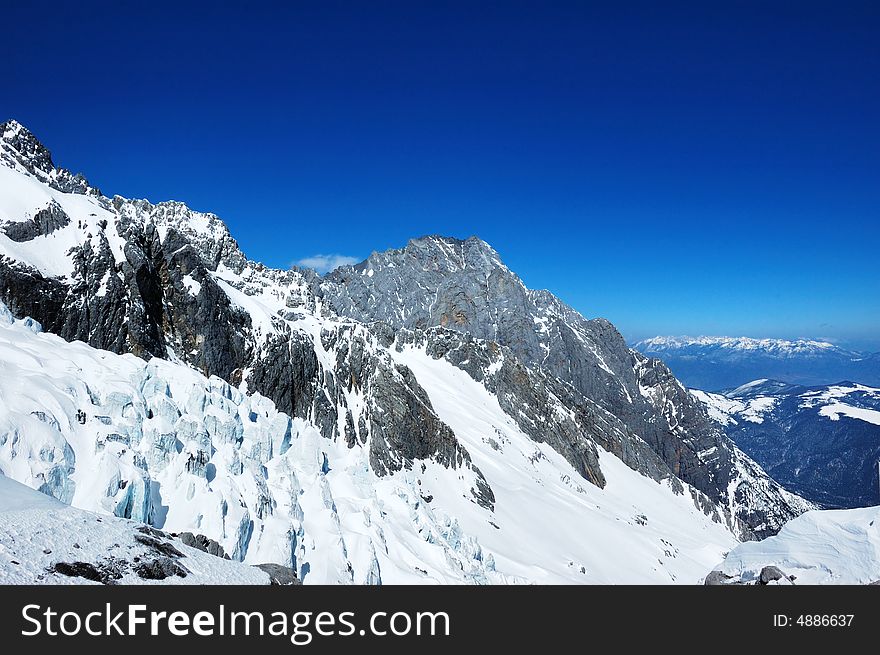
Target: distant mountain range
{"points": [[822, 442], [716, 363]]}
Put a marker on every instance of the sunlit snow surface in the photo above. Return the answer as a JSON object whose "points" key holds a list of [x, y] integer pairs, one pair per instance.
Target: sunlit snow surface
{"points": [[819, 547], [37, 531], [725, 410], [22, 196], [549, 520], [161, 443], [274, 490], [830, 402]]}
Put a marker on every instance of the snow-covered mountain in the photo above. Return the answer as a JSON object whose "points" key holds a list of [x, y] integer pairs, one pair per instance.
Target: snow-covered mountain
{"points": [[419, 417], [716, 363], [778, 347], [823, 442]]}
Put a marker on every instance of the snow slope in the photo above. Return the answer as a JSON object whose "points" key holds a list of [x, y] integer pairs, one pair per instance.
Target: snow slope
{"points": [[321, 441], [819, 547], [37, 532], [843, 400], [274, 490], [723, 408], [633, 531], [22, 196], [160, 443]]}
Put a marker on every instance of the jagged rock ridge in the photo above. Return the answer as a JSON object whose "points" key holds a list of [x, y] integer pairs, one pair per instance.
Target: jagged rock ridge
{"points": [[162, 281], [437, 283]]}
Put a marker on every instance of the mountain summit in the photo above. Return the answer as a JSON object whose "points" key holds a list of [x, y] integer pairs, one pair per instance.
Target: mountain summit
{"points": [[22, 144], [420, 416], [23, 151]]}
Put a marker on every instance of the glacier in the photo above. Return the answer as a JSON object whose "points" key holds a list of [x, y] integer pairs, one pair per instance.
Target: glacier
{"points": [[160, 443], [44, 541], [818, 547], [421, 417]]}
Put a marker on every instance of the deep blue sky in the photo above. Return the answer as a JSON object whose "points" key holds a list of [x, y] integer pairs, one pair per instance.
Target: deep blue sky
{"points": [[676, 168]]}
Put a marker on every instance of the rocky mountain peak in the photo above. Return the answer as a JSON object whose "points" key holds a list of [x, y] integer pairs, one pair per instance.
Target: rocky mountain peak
{"points": [[432, 281], [435, 254], [20, 143], [470, 253], [23, 151], [413, 372]]}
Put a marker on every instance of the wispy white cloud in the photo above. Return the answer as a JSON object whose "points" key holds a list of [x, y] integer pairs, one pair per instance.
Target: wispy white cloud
{"points": [[326, 263]]}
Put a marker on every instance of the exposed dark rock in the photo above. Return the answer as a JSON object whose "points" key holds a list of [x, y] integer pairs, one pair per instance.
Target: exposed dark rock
{"points": [[159, 569], [401, 423], [770, 574], [32, 154], [203, 543], [105, 572], [656, 427], [161, 547], [569, 382], [27, 151], [279, 575], [78, 570], [44, 222], [288, 374], [717, 578], [205, 328], [151, 531], [143, 306], [26, 292]]}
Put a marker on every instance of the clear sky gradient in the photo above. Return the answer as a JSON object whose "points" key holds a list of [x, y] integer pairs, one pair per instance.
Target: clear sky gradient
{"points": [[704, 168]]}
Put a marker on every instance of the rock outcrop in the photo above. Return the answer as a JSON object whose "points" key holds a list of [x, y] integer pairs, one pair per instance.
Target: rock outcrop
{"points": [[287, 357]]}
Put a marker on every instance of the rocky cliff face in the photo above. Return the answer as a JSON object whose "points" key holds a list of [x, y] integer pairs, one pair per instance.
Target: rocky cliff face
{"points": [[159, 281], [164, 281], [649, 419]]}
